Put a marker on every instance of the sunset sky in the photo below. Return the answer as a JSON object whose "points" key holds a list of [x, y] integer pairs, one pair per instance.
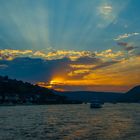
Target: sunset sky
{"points": [[89, 45]]}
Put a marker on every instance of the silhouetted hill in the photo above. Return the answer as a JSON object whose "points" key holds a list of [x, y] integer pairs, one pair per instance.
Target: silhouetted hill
{"points": [[12, 90], [22, 92], [132, 95], [88, 96], [135, 90]]}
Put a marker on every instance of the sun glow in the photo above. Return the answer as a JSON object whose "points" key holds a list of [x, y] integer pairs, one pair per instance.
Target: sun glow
{"points": [[57, 82], [107, 78]]}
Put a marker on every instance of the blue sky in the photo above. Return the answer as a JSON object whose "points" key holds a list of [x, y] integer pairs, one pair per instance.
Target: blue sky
{"points": [[99, 38], [66, 24]]}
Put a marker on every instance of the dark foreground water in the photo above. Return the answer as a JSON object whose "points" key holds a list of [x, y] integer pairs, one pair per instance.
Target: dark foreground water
{"points": [[70, 122]]}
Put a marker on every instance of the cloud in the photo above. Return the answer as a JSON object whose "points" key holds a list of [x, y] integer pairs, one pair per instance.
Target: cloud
{"points": [[108, 12], [40, 54], [36, 69], [105, 64], [129, 48], [79, 57], [126, 35], [123, 73], [9, 54], [33, 69], [67, 64], [77, 72], [116, 77], [86, 60], [3, 66], [110, 54], [105, 10], [72, 54], [82, 66], [122, 43]]}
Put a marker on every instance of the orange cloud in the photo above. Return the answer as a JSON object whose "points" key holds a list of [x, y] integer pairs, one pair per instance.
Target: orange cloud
{"points": [[9, 54], [123, 73], [109, 54], [83, 68], [73, 55], [119, 77], [59, 54]]}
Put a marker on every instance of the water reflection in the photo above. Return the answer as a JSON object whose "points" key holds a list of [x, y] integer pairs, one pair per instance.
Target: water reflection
{"points": [[70, 122]]}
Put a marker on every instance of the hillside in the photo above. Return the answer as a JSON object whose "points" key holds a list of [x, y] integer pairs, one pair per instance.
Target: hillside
{"points": [[131, 96], [22, 92], [19, 92], [88, 96]]}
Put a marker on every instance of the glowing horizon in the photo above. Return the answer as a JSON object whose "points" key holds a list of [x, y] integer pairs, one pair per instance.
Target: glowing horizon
{"points": [[80, 45]]}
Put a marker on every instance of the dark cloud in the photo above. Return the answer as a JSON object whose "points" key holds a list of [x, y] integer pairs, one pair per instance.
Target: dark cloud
{"points": [[126, 46], [87, 60], [129, 48], [35, 70], [122, 43], [3, 66], [105, 64]]}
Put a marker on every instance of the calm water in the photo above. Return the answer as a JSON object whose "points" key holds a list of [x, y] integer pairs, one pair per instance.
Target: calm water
{"points": [[70, 122]]}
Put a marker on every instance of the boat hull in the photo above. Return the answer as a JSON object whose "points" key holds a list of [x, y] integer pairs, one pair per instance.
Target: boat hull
{"points": [[95, 106]]}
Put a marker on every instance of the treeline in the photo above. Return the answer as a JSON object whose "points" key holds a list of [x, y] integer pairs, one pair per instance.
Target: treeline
{"points": [[19, 92]]}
